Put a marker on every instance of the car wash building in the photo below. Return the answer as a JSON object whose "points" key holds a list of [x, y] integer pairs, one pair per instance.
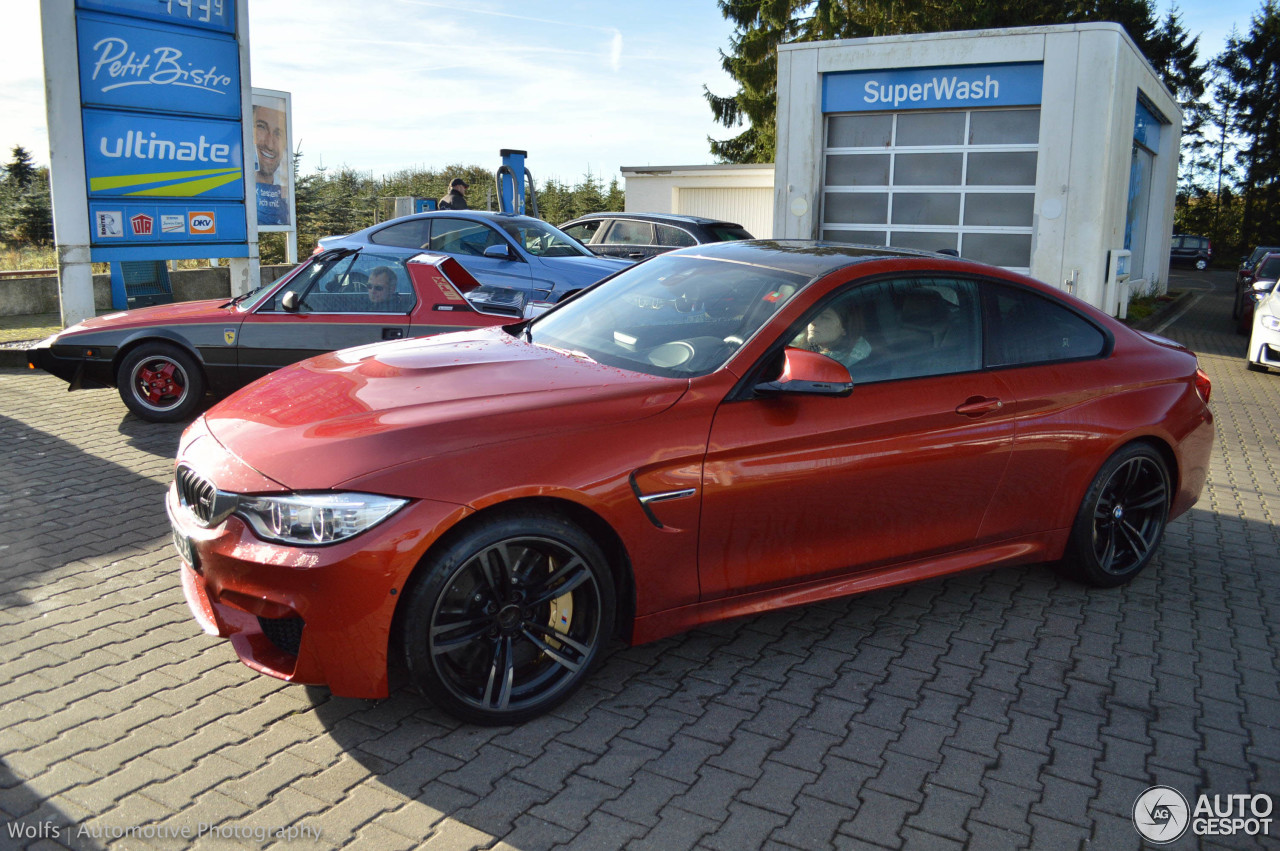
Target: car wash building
{"points": [[1047, 150]]}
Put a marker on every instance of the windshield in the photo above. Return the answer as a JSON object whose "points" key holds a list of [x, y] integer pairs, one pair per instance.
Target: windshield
{"points": [[674, 315], [1269, 268], [542, 240]]}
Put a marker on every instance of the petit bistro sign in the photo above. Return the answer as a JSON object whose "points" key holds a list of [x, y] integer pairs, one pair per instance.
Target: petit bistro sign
{"points": [[949, 87]]}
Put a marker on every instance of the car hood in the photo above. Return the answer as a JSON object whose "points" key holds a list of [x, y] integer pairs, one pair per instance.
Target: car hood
{"points": [[341, 416], [582, 271], [160, 314]]}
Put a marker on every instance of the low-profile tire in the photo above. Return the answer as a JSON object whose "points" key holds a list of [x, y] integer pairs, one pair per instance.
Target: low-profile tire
{"points": [[508, 619], [161, 383], [1122, 518]]}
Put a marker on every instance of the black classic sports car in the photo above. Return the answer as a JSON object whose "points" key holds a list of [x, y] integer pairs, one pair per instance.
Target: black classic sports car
{"points": [[164, 359]]}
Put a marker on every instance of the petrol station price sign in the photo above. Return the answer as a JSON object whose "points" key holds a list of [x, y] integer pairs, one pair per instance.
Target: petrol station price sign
{"points": [[161, 111]]}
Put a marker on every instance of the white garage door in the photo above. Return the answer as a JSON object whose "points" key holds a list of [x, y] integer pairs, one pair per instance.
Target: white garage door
{"points": [[750, 207]]}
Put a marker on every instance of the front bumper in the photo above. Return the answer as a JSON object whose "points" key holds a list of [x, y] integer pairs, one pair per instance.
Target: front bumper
{"points": [[315, 615], [79, 366], [1264, 343]]}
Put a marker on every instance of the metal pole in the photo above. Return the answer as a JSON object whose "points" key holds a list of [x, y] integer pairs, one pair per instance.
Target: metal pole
{"points": [[66, 161]]}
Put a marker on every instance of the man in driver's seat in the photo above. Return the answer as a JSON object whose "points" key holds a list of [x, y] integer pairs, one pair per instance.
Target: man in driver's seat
{"points": [[381, 290]]}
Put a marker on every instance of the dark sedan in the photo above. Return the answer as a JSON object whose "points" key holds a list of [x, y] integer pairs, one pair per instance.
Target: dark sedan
{"points": [[164, 359], [1261, 280], [1244, 275], [638, 236]]}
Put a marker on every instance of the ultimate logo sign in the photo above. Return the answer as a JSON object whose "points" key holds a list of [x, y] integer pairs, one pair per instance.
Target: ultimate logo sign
{"points": [[126, 159]]}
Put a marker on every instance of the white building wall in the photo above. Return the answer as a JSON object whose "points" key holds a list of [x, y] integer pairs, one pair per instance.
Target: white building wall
{"points": [[736, 193]]}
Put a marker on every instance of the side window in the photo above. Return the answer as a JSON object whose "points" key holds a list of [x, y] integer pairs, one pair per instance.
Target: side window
{"points": [[1025, 328], [321, 273], [381, 285], [460, 236], [626, 232], [584, 231], [674, 237], [358, 283], [410, 234], [899, 329]]}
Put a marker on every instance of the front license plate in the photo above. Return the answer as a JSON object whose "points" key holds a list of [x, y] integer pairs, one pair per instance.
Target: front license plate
{"points": [[185, 549]]}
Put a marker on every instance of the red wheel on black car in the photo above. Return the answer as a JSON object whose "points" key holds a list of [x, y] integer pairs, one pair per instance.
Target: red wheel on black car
{"points": [[161, 383], [508, 620]]}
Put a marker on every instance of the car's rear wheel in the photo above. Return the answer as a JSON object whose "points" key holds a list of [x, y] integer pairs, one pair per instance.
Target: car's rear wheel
{"points": [[506, 622], [1122, 518], [161, 383], [1202, 264]]}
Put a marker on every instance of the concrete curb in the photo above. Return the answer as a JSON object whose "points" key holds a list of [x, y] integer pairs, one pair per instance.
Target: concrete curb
{"points": [[15, 356]]}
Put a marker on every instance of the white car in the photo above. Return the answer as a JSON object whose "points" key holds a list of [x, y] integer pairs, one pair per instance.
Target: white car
{"points": [[1264, 341]]}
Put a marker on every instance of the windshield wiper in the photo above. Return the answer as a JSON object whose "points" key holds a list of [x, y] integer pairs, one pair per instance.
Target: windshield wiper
{"points": [[237, 299]]}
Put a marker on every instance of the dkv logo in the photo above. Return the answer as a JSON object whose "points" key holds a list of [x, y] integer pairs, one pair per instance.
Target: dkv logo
{"points": [[201, 223]]}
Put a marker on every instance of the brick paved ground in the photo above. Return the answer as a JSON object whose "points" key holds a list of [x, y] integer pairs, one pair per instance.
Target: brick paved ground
{"points": [[1003, 710]]}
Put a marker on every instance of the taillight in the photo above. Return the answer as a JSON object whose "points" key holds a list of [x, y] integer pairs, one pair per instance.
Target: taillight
{"points": [[1203, 385]]}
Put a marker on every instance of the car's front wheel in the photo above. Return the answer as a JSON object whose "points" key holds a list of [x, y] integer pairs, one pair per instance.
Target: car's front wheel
{"points": [[1122, 518], [161, 383], [508, 619]]}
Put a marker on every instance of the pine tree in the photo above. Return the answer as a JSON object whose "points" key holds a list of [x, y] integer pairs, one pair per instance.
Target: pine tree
{"points": [[21, 170], [1251, 67]]}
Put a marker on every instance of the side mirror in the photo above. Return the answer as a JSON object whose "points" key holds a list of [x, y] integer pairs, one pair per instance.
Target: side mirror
{"points": [[499, 252], [290, 301], [810, 373]]}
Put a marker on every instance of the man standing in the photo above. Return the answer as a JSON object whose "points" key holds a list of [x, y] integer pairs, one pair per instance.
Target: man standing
{"points": [[457, 197]]}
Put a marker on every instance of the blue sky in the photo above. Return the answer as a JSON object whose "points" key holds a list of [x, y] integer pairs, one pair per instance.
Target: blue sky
{"points": [[389, 84]]}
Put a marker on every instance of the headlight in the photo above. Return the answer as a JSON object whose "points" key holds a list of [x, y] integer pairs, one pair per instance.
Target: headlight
{"points": [[312, 519], [1271, 323]]}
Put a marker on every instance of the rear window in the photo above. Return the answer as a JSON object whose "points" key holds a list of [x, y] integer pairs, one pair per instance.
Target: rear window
{"points": [[1026, 328], [729, 233]]}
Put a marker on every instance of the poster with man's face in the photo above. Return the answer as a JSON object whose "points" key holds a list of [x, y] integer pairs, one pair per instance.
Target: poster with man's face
{"points": [[272, 164]]}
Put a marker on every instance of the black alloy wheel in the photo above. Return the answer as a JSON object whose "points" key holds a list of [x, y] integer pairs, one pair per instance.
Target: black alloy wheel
{"points": [[507, 622], [1122, 518]]}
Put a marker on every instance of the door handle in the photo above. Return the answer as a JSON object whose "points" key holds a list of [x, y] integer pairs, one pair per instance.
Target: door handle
{"points": [[636, 255], [977, 406], [392, 333]]}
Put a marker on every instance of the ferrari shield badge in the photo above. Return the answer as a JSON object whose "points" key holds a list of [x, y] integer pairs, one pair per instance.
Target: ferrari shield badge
{"points": [[229, 336]]}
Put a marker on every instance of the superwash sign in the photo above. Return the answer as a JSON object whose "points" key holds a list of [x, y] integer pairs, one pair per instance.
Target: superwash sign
{"points": [[951, 87], [161, 97]]}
